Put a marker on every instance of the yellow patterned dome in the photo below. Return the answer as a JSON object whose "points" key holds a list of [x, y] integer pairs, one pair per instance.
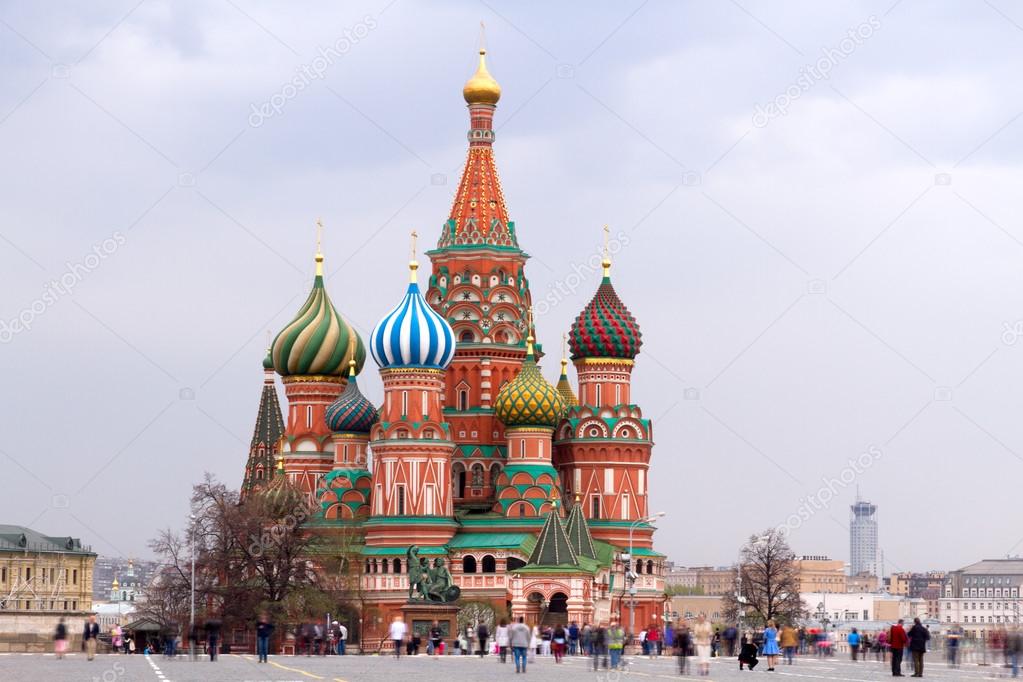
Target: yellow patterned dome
{"points": [[528, 400], [481, 88]]}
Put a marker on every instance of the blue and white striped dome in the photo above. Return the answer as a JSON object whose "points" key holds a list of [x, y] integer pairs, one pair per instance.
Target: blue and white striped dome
{"points": [[413, 334]]}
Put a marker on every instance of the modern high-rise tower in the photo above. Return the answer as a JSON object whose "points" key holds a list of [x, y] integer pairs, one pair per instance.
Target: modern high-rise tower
{"points": [[863, 552]]}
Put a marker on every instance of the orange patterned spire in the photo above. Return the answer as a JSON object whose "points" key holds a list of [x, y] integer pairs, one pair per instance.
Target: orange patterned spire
{"points": [[479, 216]]}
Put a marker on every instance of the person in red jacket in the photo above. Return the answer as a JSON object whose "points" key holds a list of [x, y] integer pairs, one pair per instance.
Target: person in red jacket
{"points": [[897, 640]]}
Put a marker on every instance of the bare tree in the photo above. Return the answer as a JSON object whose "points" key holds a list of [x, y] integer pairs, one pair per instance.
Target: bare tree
{"points": [[768, 582]]}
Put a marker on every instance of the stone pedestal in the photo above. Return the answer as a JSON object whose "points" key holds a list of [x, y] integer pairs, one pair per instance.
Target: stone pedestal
{"points": [[419, 617]]}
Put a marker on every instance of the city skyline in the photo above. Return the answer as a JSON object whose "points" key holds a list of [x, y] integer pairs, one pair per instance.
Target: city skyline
{"points": [[798, 286]]}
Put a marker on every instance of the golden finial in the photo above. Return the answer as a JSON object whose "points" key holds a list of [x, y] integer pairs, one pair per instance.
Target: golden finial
{"points": [[269, 340], [280, 463], [529, 331], [319, 250], [564, 353], [482, 88], [412, 264], [577, 497], [607, 254], [351, 368]]}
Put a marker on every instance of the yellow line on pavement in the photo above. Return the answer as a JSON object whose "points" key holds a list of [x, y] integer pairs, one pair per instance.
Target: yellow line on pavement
{"points": [[295, 670]]}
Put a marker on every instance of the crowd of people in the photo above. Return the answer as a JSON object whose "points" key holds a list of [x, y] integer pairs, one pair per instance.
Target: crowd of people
{"points": [[603, 642]]}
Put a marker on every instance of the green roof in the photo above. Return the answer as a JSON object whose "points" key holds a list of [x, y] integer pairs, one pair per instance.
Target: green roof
{"points": [[400, 551], [552, 546], [643, 551], [22, 539], [485, 450], [523, 541], [579, 533]]}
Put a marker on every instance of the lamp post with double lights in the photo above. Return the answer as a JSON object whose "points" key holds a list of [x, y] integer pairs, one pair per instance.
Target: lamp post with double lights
{"points": [[631, 575], [191, 619]]}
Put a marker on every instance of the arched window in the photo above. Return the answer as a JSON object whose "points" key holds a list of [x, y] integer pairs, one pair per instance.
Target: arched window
{"points": [[466, 337], [488, 564], [463, 399], [468, 564], [384, 565], [477, 475], [367, 565], [650, 567], [374, 566], [397, 565]]}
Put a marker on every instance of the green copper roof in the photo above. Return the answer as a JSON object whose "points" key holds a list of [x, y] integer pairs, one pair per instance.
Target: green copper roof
{"points": [[522, 541], [487, 451], [579, 533], [400, 551], [552, 546]]}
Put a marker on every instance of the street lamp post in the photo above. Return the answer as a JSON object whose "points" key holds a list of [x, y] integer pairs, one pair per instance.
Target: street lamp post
{"points": [[630, 575], [191, 619]]}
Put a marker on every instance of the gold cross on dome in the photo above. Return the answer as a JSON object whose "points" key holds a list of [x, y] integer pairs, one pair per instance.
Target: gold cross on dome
{"points": [[319, 235], [415, 235], [607, 234]]}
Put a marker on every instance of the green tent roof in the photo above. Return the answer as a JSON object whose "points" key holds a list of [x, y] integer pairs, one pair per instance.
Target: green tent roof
{"points": [[579, 533], [552, 546]]}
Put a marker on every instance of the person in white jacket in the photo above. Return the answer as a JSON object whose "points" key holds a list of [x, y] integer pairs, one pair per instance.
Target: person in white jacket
{"points": [[501, 640], [534, 642]]}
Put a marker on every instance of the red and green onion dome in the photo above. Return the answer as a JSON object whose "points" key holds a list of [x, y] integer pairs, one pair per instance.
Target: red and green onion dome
{"points": [[529, 400], [605, 328], [351, 412], [318, 342]]}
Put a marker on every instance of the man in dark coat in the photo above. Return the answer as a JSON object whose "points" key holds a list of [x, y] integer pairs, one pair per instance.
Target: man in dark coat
{"points": [[897, 640], [918, 636]]}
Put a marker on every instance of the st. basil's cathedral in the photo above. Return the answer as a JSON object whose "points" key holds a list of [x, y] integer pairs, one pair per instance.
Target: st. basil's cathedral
{"points": [[530, 494]]}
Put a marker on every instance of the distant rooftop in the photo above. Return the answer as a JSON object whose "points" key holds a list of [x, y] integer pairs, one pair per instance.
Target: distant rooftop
{"points": [[995, 567], [22, 539]]}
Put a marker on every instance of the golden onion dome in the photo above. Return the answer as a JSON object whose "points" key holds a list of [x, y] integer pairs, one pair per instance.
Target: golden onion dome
{"points": [[481, 88], [529, 400]]}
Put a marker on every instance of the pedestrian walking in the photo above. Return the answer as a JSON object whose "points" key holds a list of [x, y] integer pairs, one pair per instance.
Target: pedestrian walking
{"points": [[730, 634], [573, 638], [771, 650], [918, 637], [559, 642], [534, 643], [519, 637], [212, 628], [854, 643], [60, 639], [482, 635], [397, 634], [501, 639], [881, 647], [89, 637], [1013, 649], [600, 646], [264, 628], [683, 640], [952, 646], [615, 643], [789, 642], [436, 639], [897, 640], [702, 633]]}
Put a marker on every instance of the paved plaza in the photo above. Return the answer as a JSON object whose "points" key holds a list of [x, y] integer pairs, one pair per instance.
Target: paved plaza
{"points": [[37, 667]]}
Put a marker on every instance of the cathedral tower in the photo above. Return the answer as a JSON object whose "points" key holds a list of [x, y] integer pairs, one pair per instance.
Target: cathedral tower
{"points": [[412, 444], [603, 445], [266, 436], [478, 284], [312, 355]]}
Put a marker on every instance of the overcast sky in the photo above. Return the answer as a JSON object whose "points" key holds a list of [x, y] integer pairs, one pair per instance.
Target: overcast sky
{"points": [[823, 250]]}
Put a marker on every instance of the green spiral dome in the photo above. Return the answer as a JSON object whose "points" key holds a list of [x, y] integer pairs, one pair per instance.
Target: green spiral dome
{"points": [[318, 342]]}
